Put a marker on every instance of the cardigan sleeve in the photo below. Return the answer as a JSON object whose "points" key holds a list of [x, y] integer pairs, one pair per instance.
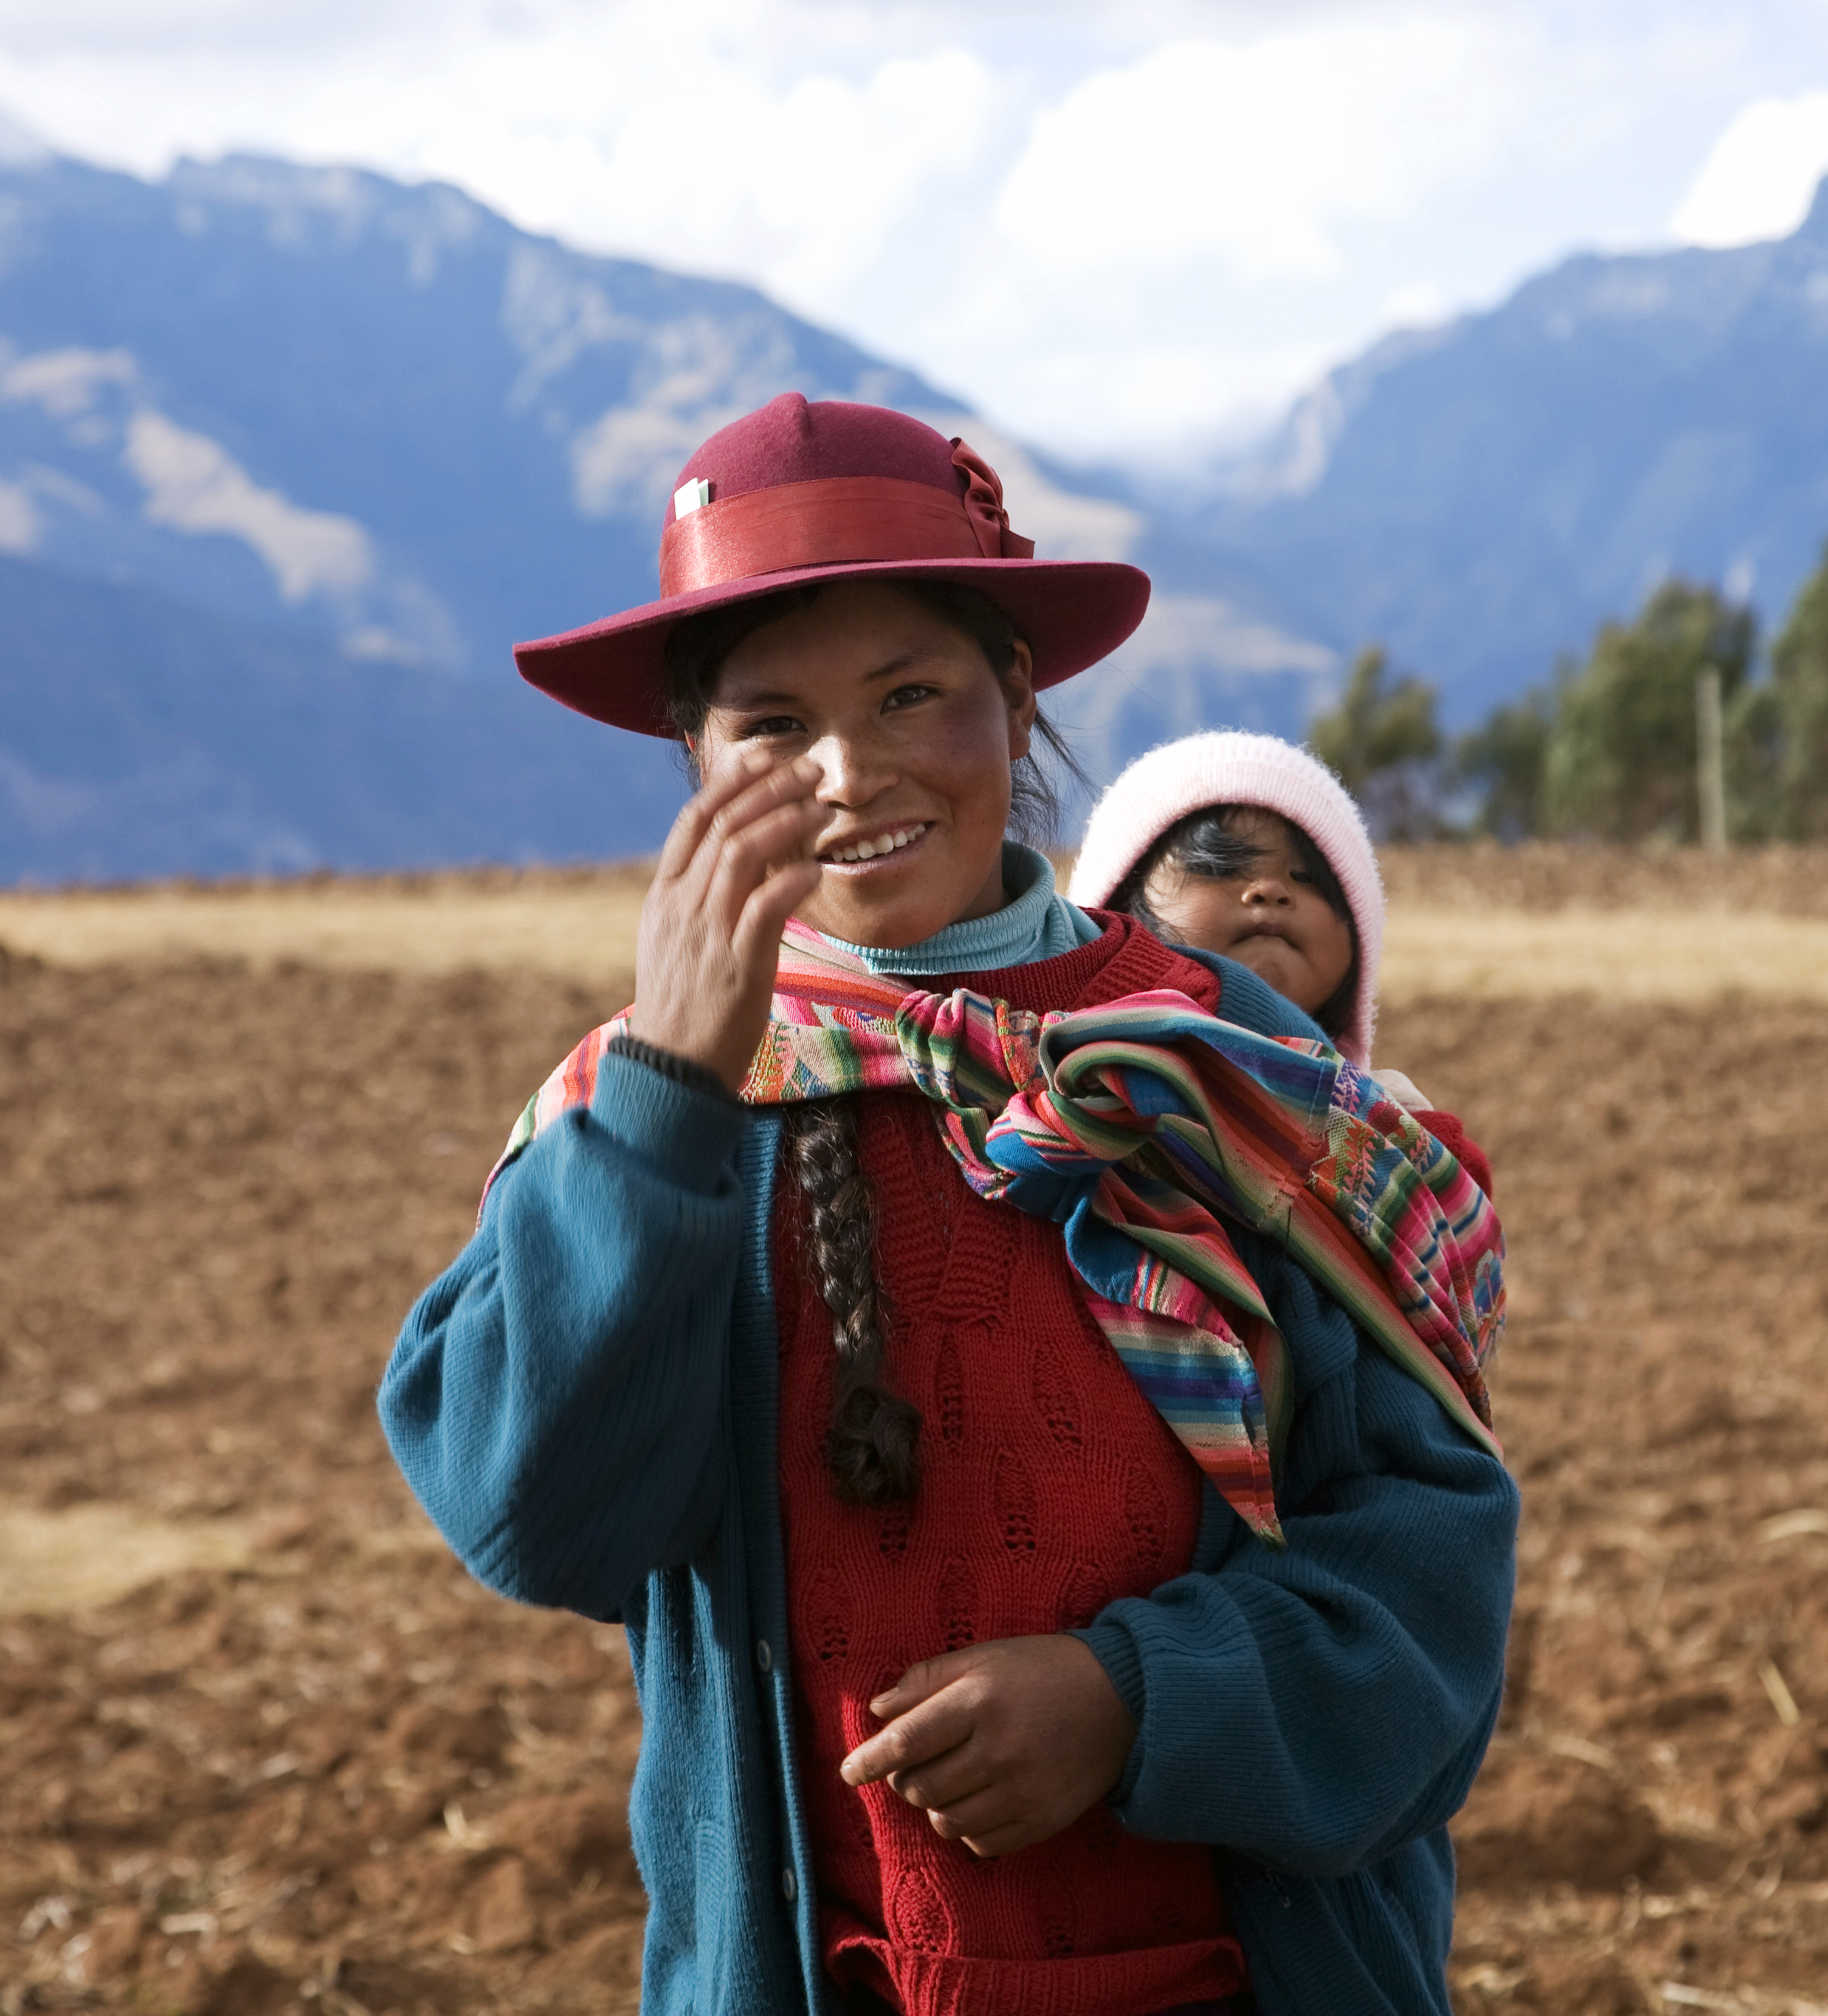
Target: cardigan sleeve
{"points": [[1315, 1708], [555, 1398]]}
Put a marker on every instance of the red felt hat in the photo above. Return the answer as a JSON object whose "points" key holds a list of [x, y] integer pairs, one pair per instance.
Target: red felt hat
{"points": [[798, 493]]}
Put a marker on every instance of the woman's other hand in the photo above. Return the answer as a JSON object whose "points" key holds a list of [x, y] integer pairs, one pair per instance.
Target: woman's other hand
{"points": [[734, 870], [1002, 1744]]}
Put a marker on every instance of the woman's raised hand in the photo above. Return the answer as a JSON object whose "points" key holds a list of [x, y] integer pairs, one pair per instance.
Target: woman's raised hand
{"points": [[1002, 1744], [734, 868]]}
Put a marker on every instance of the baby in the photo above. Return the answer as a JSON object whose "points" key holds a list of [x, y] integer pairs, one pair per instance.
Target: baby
{"points": [[1244, 845]]}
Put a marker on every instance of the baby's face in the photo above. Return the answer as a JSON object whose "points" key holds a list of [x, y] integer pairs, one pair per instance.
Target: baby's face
{"points": [[1274, 920]]}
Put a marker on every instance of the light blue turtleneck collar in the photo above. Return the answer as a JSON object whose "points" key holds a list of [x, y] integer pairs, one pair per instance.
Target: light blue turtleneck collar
{"points": [[1037, 922]]}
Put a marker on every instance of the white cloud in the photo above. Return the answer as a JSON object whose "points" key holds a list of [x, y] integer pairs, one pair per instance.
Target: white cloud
{"points": [[1124, 227], [1417, 304], [624, 462], [63, 382], [779, 139], [20, 526], [1162, 408], [1254, 151], [1761, 175], [193, 484], [817, 174]]}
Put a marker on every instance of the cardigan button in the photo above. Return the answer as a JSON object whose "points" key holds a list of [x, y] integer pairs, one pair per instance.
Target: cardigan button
{"points": [[764, 1656], [790, 1885]]}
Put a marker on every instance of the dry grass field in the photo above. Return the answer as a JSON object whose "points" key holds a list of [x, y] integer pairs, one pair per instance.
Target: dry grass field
{"points": [[266, 1749], [1477, 923]]}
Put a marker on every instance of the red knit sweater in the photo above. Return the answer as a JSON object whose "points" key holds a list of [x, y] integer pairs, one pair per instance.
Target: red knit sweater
{"points": [[1049, 1486]]}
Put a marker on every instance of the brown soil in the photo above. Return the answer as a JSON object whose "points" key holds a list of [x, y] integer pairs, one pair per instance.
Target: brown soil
{"points": [[322, 1770], [1655, 1807]]}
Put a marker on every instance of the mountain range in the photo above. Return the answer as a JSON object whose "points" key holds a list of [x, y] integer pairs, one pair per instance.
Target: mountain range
{"points": [[289, 457], [1478, 497]]}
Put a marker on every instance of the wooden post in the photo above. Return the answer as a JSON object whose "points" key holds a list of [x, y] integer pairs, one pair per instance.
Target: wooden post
{"points": [[1710, 760]]}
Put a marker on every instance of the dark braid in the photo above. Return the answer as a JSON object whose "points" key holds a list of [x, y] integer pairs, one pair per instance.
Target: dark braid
{"points": [[873, 1443]]}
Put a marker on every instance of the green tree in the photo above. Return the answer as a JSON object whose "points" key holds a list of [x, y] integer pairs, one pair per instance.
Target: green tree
{"points": [[1621, 759], [1795, 719], [1756, 806], [1503, 762], [1383, 740]]}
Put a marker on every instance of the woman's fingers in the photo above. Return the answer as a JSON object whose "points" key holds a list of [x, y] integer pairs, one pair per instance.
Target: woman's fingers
{"points": [[928, 1731], [960, 1774], [736, 863], [762, 790], [766, 913], [922, 1680], [982, 1814], [987, 1846], [701, 809], [773, 837], [1003, 1743]]}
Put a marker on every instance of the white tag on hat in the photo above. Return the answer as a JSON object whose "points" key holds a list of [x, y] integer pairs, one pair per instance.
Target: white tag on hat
{"points": [[690, 496]]}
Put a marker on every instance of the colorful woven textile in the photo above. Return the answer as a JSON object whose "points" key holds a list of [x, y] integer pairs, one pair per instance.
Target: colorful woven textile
{"points": [[1140, 1128]]}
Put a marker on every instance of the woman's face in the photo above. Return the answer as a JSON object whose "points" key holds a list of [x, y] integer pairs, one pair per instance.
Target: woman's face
{"points": [[1274, 920], [914, 735]]}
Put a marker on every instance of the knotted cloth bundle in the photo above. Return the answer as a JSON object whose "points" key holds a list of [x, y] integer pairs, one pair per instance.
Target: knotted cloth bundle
{"points": [[1138, 1127]]}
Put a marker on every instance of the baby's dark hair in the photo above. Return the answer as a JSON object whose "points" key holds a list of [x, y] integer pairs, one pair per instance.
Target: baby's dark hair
{"points": [[1206, 843], [872, 1443]]}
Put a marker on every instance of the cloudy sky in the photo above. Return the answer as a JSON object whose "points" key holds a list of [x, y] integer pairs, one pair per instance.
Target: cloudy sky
{"points": [[1122, 227]]}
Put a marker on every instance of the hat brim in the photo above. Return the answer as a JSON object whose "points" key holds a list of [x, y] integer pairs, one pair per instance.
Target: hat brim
{"points": [[1071, 614]]}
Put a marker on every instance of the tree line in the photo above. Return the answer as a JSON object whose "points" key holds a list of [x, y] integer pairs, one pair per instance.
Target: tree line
{"points": [[1610, 749]]}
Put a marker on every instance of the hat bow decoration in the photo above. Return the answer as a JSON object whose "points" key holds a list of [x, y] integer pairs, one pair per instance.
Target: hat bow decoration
{"points": [[983, 505]]}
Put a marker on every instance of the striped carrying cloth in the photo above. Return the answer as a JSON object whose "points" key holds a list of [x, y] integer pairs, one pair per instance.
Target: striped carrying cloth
{"points": [[1140, 1127]]}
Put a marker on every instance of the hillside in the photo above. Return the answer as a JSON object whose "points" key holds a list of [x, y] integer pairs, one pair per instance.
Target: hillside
{"points": [[1479, 496], [141, 737], [353, 439]]}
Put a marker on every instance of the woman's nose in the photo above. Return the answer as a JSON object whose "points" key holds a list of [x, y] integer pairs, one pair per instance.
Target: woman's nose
{"points": [[851, 772]]}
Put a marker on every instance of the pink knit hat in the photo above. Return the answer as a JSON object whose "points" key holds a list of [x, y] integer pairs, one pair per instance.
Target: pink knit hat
{"points": [[1234, 769]]}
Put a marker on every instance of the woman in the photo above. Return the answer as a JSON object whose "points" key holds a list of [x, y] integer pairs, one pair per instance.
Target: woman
{"points": [[1041, 1594]]}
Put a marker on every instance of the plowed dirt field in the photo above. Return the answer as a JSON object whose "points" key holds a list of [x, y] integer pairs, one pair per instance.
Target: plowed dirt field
{"points": [[264, 1748]]}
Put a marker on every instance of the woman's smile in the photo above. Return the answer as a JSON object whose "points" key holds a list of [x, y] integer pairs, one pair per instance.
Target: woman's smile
{"points": [[874, 849]]}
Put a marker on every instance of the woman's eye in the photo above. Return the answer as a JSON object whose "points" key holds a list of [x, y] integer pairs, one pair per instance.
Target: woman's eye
{"points": [[908, 696], [773, 723]]}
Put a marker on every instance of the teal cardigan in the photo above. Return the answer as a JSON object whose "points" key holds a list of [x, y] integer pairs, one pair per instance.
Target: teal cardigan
{"points": [[585, 1402]]}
